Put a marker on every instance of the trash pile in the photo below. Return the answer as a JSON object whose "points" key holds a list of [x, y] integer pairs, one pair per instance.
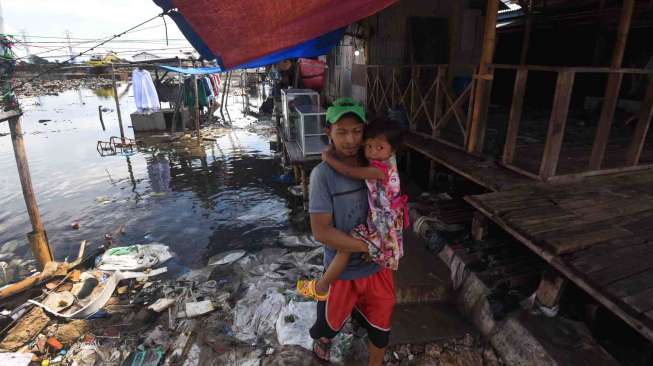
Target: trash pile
{"points": [[137, 305], [56, 86], [439, 219]]}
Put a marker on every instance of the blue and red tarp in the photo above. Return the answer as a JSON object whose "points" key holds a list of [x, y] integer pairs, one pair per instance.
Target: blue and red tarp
{"points": [[252, 33]]}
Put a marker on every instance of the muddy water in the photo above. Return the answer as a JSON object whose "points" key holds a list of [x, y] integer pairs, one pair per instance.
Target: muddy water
{"points": [[198, 200]]}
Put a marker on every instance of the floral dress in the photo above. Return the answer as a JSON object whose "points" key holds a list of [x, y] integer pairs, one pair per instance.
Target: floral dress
{"points": [[387, 218]]}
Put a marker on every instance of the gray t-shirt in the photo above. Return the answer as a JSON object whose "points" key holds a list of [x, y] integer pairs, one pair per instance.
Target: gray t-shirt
{"points": [[346, 199]]}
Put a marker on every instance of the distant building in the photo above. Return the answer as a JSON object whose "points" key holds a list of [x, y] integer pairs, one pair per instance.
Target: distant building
{"points": [[144, 56]]}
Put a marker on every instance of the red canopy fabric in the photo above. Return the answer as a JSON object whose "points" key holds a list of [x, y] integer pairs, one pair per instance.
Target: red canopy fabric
{"points": [[239, 31]]}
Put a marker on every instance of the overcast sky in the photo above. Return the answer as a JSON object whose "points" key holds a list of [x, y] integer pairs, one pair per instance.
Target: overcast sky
{"points": [[88, 20]]}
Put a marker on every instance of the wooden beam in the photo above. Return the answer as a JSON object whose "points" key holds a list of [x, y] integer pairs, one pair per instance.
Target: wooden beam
{"points": [[515, 115], [484, 84], [641, 130], [557, 124], [613, 86], [437, 107], [610, 99], [37, 238]]}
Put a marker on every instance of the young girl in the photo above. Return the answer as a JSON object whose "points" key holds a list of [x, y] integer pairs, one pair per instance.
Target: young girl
{"points": [[388, 214]]}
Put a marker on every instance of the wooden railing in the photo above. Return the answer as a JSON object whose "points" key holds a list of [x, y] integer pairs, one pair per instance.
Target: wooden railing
{"points": [[548, 167], [423, 92]]}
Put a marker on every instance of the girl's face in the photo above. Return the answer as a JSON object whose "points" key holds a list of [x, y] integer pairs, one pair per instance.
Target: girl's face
{"points": [[378, 148]]}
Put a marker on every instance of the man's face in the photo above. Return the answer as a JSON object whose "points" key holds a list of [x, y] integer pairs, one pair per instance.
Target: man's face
{"points": [[346, 136]]}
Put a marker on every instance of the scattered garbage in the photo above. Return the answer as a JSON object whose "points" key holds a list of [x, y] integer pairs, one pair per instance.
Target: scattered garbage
{"points": [[134, 257], [293, 323], [15, 359], [226, 257], [39, 86], [27, 327], [240, 309]]}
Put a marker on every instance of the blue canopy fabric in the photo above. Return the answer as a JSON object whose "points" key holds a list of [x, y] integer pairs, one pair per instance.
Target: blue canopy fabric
{"points": [[193, 70]]}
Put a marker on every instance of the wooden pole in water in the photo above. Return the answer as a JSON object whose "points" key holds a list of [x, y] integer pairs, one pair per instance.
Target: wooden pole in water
{"points": [[37, 238], [99, 111], [197, 109], [115, 96]]}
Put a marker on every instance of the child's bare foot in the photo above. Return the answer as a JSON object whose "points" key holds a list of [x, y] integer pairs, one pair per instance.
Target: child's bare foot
{"points": [[321, 288], [308, 288]]}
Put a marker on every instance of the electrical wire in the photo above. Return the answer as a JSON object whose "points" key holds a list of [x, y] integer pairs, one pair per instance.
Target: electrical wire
{"points": [[88, 50]]}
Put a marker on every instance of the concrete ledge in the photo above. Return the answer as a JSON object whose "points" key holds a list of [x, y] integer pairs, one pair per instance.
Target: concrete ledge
{"points": [[525, 339]]}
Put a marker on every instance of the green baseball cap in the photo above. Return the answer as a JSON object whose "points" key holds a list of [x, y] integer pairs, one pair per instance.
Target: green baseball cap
{"points": [[342, 106]]}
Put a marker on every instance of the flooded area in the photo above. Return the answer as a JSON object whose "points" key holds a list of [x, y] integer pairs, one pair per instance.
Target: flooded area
{"points": [[199, 200]]}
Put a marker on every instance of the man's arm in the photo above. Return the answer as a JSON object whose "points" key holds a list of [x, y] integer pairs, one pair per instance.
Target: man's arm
{"points": [[355, 172], [327, 234]]}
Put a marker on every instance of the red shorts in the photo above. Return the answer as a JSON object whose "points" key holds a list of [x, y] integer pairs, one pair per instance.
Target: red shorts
{"points": [[373, 297]]}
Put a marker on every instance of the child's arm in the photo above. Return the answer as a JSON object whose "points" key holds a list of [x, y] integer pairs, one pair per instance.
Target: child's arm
{"points": [[355, 172]]}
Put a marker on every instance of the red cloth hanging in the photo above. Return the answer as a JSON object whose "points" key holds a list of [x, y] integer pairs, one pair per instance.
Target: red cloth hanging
{"points": [[239, 31]]}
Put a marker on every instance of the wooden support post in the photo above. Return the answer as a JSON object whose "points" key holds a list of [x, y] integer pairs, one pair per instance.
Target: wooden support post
{"points": [[610, 99], [197, 110], [613, 86], [479, 226], [557, 124], [432, 171], [99, 110], [37, 238], [550, 289], [455, 21], [528, 28], [484, 80], [515, 115], [641, 130], [115, 97], [296, 173]]}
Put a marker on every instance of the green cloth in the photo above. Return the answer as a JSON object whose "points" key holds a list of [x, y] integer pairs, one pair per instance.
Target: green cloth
{"points": [[342, 106], [123, 250]]}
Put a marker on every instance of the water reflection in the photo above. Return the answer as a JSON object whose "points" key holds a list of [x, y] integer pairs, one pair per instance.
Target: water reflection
{"points": [[199, 199]]}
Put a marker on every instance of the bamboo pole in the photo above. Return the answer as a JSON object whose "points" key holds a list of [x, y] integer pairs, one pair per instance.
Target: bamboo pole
{"points": [[484, 82], [115, 97], [38, 238]]}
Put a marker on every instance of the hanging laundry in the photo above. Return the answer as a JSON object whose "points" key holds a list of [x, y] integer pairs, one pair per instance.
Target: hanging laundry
{"points": [[215, 81], [207, 87], [145, 95], [201, 90]]}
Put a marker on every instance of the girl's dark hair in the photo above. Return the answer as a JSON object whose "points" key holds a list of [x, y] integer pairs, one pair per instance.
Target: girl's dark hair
{"points": [[392, 129]]}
